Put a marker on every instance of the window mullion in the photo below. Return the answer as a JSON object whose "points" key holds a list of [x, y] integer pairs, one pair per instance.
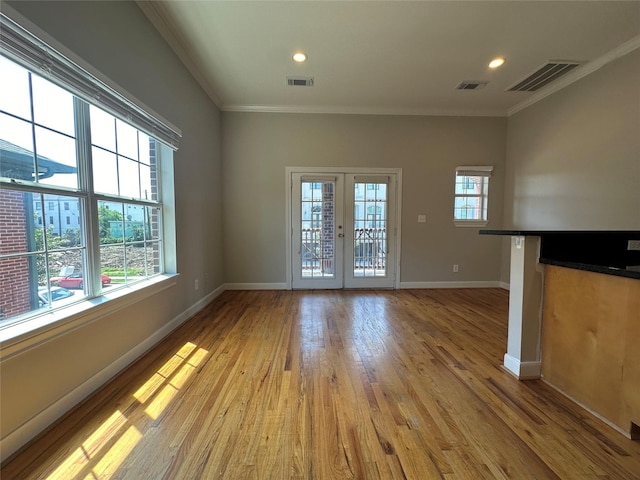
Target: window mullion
{"points": [[115, 198], [90, 206], [46, 255]]}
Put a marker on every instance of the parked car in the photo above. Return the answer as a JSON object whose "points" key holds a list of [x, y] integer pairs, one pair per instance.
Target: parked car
{"points": [[75, 281], [57, 293]]}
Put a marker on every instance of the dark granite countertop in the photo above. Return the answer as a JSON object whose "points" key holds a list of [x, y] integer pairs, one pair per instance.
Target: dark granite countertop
{"points": [[600, 251], [559, 233]]}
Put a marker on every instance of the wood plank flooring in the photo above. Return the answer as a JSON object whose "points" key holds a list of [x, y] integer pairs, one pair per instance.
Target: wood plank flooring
{"points": [[331, 385]]}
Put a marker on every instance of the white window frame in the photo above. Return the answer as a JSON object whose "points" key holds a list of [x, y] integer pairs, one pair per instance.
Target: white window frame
{"points": [[483, 171], [30, 47]]}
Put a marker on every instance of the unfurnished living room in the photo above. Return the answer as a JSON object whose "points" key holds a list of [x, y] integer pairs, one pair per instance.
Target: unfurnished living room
{"points": [[319, 239]]}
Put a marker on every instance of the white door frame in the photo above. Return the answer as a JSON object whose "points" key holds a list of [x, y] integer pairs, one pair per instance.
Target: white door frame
{"points": [[325, 280], [350, 280], [342, 170]]}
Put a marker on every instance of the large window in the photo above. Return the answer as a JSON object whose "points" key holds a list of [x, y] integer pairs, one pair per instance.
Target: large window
{"points": [[81, 200], [471, 195]]}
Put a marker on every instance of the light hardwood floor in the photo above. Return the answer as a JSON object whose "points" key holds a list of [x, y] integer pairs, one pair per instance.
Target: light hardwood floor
{"points": [[331, 384]]}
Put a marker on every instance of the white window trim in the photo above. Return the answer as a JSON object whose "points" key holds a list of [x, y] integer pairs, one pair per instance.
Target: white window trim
{"points": [[33, 329], [474, 171]]}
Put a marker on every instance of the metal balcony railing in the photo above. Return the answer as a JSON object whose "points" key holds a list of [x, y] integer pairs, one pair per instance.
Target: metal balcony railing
{"points": [[369, 249]]}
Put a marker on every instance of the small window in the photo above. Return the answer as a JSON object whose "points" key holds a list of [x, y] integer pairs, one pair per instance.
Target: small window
{"points": [[471, 195]]}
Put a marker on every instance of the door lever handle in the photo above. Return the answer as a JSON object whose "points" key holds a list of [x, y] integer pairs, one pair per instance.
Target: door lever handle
{"points": [[340, 235]]}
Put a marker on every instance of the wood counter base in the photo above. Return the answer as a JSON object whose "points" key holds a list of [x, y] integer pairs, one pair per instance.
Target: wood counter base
{"points": [[590, 342]]}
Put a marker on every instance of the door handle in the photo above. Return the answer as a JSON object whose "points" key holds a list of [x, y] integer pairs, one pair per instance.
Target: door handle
{"points": [[340, 235]]}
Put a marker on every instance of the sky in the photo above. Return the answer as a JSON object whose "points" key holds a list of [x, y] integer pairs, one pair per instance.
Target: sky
{"points": [[120, 152]]}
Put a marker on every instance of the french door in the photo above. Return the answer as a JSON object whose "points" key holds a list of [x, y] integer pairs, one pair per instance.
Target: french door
{"points": [[343, 229]]}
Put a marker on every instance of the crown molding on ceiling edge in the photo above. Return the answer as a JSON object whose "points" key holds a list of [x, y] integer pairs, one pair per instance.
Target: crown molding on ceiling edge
{"points": [[315, 109], [155, 13], [580, 72]]}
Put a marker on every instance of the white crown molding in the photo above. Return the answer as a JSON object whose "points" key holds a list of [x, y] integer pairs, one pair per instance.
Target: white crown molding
{"points": [[578, 73], [157, 15], [155, 12], [316, 109]]}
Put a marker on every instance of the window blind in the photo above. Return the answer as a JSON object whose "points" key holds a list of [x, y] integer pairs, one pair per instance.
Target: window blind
{"points": [[384, 179], [26, 49], [474, 171], [318, 179]]}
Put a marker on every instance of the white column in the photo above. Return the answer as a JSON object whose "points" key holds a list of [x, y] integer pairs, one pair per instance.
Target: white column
{"points": [[525, 308]]}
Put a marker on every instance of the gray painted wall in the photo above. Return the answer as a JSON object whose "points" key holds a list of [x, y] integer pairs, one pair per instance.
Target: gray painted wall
{"points": [[117, 39], [258, 146], [570, 161], [573, 159]]}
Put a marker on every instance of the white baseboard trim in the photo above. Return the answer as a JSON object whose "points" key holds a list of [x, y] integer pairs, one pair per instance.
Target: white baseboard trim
{"points": [[403, 285], [200, 304], [522, 370], [256, 286], [37, 424], [479, 284], [505, 285]]}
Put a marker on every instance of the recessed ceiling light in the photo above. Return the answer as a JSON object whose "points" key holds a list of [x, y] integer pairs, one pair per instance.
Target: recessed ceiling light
{"points": [[496, 62], [299, 57]]}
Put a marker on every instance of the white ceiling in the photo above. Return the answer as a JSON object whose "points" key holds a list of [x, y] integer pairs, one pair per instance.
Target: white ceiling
{"points": [[395, 57]]}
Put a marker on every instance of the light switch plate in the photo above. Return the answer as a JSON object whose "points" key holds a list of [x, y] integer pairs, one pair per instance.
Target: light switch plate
{"points": [[422, 218]]}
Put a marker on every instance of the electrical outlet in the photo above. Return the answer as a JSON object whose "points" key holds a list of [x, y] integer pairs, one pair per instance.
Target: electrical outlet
{"points": [[195, 286], [633, 245], [455, 268], [422, 218]]}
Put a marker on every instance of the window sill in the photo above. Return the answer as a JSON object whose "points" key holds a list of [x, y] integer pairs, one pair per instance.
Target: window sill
{"points": [[22, 336], [470, 223]]}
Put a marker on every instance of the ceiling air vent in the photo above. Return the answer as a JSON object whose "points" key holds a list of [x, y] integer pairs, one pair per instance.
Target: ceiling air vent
{"points": [[472, 85], [300, 81], [550, 71]]}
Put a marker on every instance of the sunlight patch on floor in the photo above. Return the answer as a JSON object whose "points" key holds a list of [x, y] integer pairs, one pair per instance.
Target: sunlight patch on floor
{"points": [[120, 450], [80, 457], [112, 442], [173, 382]]}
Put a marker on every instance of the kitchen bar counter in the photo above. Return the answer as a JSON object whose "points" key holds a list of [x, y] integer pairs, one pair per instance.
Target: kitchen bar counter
{"points": [[574, 321], [589, 250]]}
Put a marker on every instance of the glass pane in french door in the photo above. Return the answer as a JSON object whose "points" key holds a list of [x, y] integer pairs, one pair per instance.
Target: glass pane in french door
{"points": [[370, 226], [318, 222]]}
